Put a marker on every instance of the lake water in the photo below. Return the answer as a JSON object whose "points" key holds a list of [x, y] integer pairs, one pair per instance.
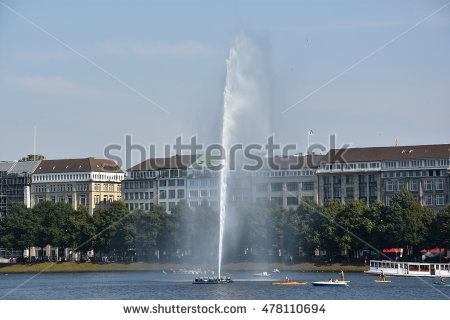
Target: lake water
{"points": [[157, 286]]}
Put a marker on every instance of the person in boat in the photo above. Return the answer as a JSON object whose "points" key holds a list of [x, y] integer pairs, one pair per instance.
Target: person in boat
{"points": [[442, 280], [287, 279], [382, 276], [342, 275]]}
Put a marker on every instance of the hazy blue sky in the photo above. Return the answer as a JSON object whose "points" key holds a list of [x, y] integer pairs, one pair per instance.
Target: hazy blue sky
{"points": [[174, 52]]}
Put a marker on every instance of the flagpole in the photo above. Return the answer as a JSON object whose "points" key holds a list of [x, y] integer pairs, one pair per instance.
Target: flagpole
{"points": [[307, 147]]}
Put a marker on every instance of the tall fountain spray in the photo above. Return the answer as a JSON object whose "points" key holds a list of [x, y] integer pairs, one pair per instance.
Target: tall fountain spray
{"points": [[247, 103]]}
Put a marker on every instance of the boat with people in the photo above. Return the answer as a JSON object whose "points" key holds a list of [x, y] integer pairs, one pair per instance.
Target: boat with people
{"points": [[212, 280], [408, 269], [329, 283]]}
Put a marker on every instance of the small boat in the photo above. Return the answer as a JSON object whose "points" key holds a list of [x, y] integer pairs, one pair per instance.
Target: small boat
{"points": [[290, 283], [212, 280], [382, 281], [276, 270], [262, 274], [442, 283], [329, 284]]}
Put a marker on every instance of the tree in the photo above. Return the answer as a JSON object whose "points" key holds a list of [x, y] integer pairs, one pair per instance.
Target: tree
{"points": [[307, 221], [407, 222], [18, 229], [441, 228], [79, 230]]}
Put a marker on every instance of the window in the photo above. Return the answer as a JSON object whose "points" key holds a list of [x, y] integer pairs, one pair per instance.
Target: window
{"points": [[349, 179], [428, 200], [261, 187], [180, 194], [306, 186], [388, 200], [389, 186], [428, 185], [276, 187], [278, 200], [193, 204], [193, 194], [292, 186], [349, 191], [337, 191], [172, 183], [180, 182], [362, 179], [440, 184], [414, 185], [171, 194], [292, 201], [203, 193], [162, 183], [336, 180], [171, 206], [162, 194], [440, 200], [400, 184]]}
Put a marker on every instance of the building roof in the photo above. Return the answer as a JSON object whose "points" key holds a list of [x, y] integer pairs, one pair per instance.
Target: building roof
{"points": [[78, 165], [174, 162], [18, 167], [434, 151], [293, 162], [24, 167], [5, 166]]}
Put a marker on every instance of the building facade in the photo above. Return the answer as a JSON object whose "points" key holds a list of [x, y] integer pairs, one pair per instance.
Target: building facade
{"points": [[89, 182], [376, 173], [159, 181], [15, 183]]}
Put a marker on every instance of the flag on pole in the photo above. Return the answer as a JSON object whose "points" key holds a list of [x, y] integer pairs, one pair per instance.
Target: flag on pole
{"points": [[310, 132]]}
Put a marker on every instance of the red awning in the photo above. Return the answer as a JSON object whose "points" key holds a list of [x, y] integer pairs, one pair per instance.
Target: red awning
{"points": [[432, 250], [393, 250]]}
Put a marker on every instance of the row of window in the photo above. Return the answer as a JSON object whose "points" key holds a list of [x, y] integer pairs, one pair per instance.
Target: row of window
{"points": [[171, 194], [83, 199], [171, 183], [195, 204], [428, 200], [138, 195], [413, 185], [422, 173], [349, 179], [416, 163], [289, 186], [138, 184], [167, 173], [350, 166], [285, 173], [77, 176], [203, 182], [202, 193]]}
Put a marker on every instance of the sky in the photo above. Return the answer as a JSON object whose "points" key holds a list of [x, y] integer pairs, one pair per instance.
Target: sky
{"points": [[87, 73]]}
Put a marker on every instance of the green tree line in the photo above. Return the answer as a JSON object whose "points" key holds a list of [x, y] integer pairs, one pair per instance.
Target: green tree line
{"points": [[252, 231]]}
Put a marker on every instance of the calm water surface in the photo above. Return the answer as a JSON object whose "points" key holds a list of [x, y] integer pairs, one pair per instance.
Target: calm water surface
{"points": [[155, 285]]}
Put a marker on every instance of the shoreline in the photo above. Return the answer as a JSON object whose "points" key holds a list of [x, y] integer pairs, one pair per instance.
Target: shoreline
{"points": [[64, 267]]}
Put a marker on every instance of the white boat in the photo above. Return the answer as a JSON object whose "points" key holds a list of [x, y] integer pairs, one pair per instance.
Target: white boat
{"points": [[262, 274], [329, 284], [408, 269]]}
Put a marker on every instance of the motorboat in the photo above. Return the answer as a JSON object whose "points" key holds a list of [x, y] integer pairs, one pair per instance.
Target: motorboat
{"points": [[329, 284], [292, 283], [262, 274], [212, 280]]}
